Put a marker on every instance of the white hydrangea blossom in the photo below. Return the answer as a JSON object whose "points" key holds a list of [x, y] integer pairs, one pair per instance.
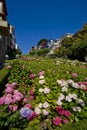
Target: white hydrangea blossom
{"points": [[82, 86], [46, 90], [45, 105], [45, 112], [41, 90], [76, 109], [64, 89], [42, 81], [81, 102], [37, 110], [40, 105], [59, 82], [70, 81], [41, 77], [64, 84], [75, 85], [59, 103], [68, 98], [61, 97]]}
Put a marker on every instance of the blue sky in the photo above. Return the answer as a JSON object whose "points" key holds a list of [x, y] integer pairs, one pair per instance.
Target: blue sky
{"points": [[37, 19]]}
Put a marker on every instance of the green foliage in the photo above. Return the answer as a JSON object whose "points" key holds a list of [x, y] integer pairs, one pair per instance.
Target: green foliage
{"points": [[80, 125], [13, 52], [55, 69], [3, 75], [11, 119], [75, 47], [42, 52], [19, 73], [78, 50]]}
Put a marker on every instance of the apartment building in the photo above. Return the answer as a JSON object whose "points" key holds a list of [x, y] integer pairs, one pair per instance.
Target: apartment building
{"points": [[7, 33]]}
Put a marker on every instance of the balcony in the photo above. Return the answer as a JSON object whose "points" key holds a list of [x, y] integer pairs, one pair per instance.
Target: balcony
{"points": [[4, 29]]}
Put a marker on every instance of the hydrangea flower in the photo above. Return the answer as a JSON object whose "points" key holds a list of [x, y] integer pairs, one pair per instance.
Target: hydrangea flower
{"points": [[59, 102], [75, 85], [76, 108], [67, 113], [2, 100], [37, 110], [40, 105], [74, 75], [9, 67], [45, 112], [46, 90], [81, 102], [41, 90], [15, 107], [9, 90], [61, 97], [26, 112], [41, 73], [41, 77], [8, 99], [64, 89], [57, 121], [41, 81], [28, 105], [45, 105], [32, 76], [65, 121]]}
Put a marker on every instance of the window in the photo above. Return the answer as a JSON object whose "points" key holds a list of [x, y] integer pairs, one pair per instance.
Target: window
{"points": [[1, 7]]}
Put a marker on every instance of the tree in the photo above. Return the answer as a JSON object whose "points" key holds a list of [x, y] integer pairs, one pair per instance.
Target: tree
{"points": [[42, 43]]}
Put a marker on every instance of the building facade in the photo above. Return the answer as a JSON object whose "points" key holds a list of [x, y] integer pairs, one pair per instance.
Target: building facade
{"points": [[7, 33], [4, 31]]}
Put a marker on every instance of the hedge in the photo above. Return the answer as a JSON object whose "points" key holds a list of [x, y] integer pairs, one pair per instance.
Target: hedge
{"points": [[4, 72]]}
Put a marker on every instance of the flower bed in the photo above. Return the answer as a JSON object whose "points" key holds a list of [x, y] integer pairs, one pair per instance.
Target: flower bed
{"points": [[44, 94]]}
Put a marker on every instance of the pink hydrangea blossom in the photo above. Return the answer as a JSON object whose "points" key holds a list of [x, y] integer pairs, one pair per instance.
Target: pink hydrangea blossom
{"points": [[65, 121], [32, 76], [18, 96], [67, 113], [25, 100], [14, 84], [10, 108], [41, 73], [8, 85], [60, 110], [16, 91], [57, 121], [28, 105], [8, 99], [2, 100], [15, 108], [32, 116], [74, 75], [9, 67], [14, 100], [9, 90], [31, 92], [31, 98]]}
